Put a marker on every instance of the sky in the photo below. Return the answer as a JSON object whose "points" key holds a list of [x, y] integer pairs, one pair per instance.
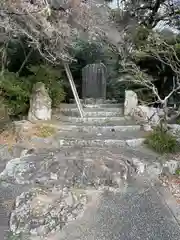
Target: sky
{"points": [[113, 4]]}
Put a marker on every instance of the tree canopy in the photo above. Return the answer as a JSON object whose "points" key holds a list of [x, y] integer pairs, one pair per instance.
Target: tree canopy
{"points": [[87, 31]]}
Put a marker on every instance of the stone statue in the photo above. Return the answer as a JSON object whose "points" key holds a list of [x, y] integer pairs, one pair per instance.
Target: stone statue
{"points": [[40, 103]]}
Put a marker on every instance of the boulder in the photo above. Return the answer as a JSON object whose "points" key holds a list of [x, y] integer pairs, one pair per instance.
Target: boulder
{"points": [[40, 103], [172, 166], [40, 212], [147, 115], [58, 188], [131, 102]]}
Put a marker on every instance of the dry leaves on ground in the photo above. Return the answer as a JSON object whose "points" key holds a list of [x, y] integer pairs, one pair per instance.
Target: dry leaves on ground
{"points": [[25, 131], [173, 183]]}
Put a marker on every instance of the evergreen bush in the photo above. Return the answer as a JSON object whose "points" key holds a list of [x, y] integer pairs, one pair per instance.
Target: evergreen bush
{"points": [[16, 91]]}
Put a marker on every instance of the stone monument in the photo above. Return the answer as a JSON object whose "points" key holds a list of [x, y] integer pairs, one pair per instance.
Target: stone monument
{"points": [[94, 81], [40, 103]]}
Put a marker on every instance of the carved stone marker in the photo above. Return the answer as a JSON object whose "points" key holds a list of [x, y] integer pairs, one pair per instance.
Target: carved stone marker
{"points": [[94, 81], [40, 103], [131, 102]]}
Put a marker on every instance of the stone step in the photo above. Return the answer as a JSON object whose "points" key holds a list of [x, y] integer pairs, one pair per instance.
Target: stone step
{"points": [[101, 129], [89, 113], [111, 134], [142, 153], [104, 105], [94, 101], [87, 109], [134, 142], [120, 138], [139, 152], [96, 120]]}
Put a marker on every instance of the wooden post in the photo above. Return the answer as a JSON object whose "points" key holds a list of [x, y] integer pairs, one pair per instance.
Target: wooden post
{"points": [[73, 88]]}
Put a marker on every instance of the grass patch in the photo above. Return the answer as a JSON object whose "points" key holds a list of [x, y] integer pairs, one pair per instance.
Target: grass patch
{"points": [[178, 121], [11, 236], [44, 131], [178, 171], [10, 135], [161, 141]]}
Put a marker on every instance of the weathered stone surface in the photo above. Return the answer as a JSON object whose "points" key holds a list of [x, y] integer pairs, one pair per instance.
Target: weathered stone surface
{"points": [[146, 127], [43, 168], [139, 165], [40, 103], [146, 115], [40, 211], [172, 166], [135, 142], [63, 185], [174, 129], [131, 102], [16, 168], [59, 184], [173, 183], [5, 153], [154, 169], [137, 214]]}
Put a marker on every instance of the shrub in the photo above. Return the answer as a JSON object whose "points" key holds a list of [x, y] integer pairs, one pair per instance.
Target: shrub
{"points": [[178, 121], [16, 91], [52, 79], [178, 171], [161, 141]]}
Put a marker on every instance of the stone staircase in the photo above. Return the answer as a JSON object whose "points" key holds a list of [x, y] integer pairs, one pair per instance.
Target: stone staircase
{"points": [[103, 125], [103, 142]]}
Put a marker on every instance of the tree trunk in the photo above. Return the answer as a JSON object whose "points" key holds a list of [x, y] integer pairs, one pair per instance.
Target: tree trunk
{"points": [[165, 117]]}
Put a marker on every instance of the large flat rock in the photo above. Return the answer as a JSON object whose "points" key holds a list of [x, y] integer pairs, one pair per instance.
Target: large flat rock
{"points": [[139, 213], [136, 211]]}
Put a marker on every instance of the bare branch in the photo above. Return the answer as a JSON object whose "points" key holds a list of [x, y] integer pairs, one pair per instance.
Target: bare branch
{"points": [[49, 29]]}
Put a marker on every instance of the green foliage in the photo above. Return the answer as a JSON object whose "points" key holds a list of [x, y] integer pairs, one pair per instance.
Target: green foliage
{"points": [[177, 48], [161, 141], [12, 236], [86, 52], [178, 171], [140, 36], [116, 15], [116, 90], [16, 91], [17, 51]]}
